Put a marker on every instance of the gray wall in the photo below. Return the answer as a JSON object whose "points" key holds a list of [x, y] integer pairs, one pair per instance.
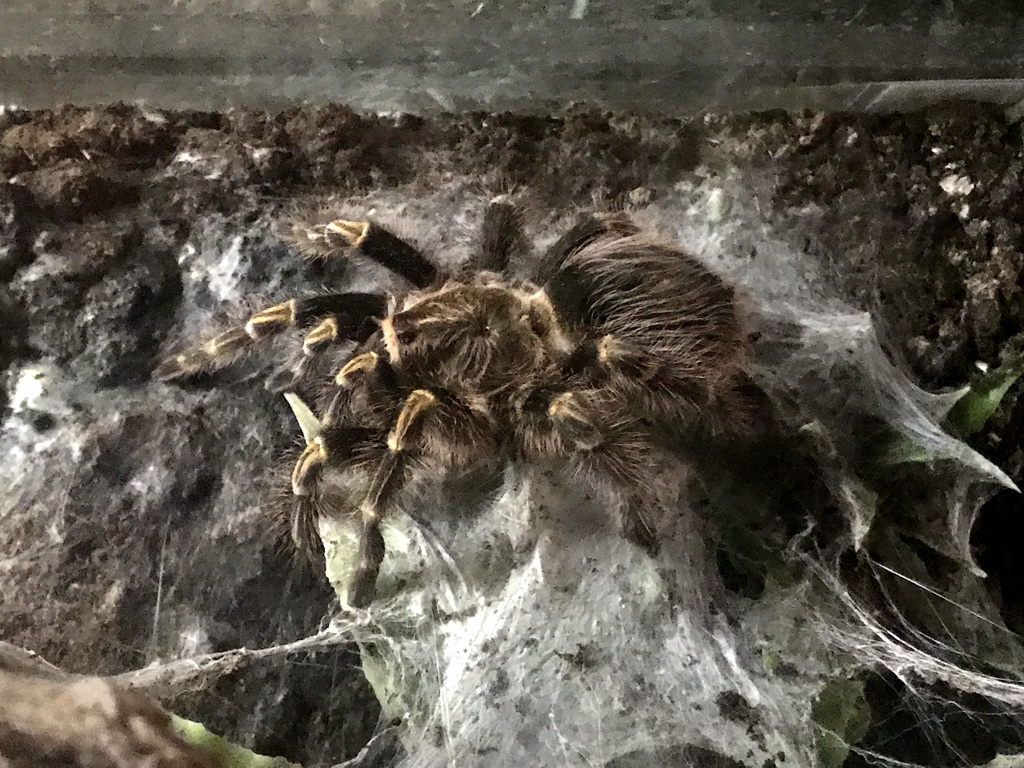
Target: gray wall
{"points": [[701, 55]]}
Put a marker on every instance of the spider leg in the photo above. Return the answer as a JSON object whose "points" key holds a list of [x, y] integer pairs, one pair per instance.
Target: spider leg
{"points": [[615, 452], [584, 232], [344, 445], [427, 434], [349, 434], [385, 485], [384, 247], [388, 479], [501, 236], [585, 431], [342, 316], [693, 405]]}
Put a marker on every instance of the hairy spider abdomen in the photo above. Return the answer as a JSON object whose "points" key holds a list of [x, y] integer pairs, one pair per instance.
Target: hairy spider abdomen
{"points": [[667, 334], [661, 300]]}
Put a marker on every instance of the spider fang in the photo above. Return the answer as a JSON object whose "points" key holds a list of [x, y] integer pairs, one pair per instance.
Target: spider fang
{"points": [[310, 425]]}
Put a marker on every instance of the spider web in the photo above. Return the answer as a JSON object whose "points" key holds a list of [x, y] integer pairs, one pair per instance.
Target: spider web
{"points": [[518, 627], [529, 632]]}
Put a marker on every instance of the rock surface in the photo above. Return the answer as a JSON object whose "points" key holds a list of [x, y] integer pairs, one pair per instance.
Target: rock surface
{"points": [[133, 514], [86, 723]]}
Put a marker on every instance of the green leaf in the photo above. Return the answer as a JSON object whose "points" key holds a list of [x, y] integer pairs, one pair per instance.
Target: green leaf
{"points": [[224, 753], [975, 408], [751, 558], [770, 659], [842, 716]]}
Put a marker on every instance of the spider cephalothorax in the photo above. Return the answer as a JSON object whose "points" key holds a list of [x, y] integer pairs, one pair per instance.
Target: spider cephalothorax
{"points": [[615, 338]]}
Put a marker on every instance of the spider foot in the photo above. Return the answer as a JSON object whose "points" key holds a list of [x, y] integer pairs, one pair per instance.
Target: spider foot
{"points": [[349, 233], [321, 337], [308, 466], [362, 587], [272, 320], [223, 347], [568, 412], [637, 529], [363, 363]]}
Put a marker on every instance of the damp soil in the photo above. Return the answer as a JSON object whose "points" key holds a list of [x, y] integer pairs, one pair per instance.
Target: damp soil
{"points": [[918, 217]]}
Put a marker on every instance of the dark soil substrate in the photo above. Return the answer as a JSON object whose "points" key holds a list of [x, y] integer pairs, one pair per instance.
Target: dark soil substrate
{"points": [[98, 205]]}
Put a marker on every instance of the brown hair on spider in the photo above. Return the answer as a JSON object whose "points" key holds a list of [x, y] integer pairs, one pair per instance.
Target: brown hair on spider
{"points": [[614, 339]]}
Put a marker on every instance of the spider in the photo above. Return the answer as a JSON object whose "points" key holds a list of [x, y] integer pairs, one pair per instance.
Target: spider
{"points": [[614, 339]]}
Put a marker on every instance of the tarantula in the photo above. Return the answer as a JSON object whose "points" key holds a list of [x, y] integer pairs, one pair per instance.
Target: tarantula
{"points": [[615, 338]]}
